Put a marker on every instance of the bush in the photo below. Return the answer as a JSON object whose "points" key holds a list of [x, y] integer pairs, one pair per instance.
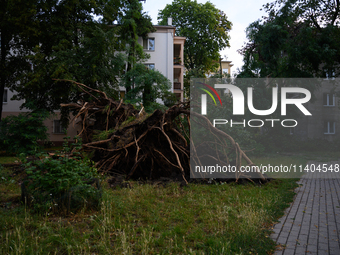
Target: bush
{"points": [[61, 183], [20, 134]]}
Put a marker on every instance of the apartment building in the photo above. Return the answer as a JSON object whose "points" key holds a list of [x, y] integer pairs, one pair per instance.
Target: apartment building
{"points": [[325, 109], [55, 130], [225, 65], [166, 55]]}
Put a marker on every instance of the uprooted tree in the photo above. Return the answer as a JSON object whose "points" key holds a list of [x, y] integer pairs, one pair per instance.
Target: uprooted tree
{"points": [[125, 141]]}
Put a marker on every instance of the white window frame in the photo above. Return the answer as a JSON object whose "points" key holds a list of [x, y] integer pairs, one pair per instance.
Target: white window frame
{"points": [[328, 95], [329, 124], [5, 97], [149, 66], [61, 129], [146, 44]]}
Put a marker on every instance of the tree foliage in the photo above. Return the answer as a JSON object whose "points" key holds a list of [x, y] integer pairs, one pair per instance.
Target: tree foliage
{"points": [[17, 24], [206, 30], [133, 23], [20, 134], [147, 86], [64, 40], [71, 45], [297, 39], [93, 63]]}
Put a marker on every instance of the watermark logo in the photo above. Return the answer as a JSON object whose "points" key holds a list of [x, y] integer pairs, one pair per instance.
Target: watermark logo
{"points": [[204, 97], [238, 99]]}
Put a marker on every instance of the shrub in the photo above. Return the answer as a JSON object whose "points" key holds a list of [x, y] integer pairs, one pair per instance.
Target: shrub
{"points": [[61, 183], [20, 134]]}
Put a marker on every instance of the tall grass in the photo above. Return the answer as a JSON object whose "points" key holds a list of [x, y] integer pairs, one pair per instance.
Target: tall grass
{"points": [[150, 219]]}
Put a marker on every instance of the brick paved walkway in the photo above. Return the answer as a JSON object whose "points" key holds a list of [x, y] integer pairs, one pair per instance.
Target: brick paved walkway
{"points": [[311, 225]]}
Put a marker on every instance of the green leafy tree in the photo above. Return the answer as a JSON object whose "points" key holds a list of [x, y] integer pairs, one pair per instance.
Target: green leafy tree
{"points": [[17, 25], [297, 39], [148, 85], [67, 42], [133, 23], [20, 134], [206, 30], [42, 40], [72, 45], [93, 63]]}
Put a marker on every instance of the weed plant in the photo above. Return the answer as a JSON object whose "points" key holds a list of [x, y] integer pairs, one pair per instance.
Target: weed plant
{"points": [[61, 183]]}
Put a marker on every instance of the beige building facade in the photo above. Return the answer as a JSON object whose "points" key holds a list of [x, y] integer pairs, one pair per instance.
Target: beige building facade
{"points": [[226, 68], [55, 131]]}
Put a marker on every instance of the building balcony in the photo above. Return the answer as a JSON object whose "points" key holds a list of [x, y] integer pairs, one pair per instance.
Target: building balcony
{"points": [[177, 60], [177, 85]]}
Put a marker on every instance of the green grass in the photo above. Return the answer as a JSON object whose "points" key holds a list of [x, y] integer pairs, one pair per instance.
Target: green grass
{"points": [[150, 219], [322, 156], [8, 160]]}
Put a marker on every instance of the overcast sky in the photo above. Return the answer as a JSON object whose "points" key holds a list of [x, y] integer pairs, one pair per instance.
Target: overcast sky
{"points": [[240, 13]]}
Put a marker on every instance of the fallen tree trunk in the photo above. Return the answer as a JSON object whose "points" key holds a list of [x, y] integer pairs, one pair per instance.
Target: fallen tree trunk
{"points": [[125, 141]]}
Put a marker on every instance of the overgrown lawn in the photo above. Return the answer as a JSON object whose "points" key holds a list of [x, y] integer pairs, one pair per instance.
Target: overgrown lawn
{"points": [[153, 219]]}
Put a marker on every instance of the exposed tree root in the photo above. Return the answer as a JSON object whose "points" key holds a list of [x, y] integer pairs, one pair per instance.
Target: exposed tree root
{"points": [[125, 141]]}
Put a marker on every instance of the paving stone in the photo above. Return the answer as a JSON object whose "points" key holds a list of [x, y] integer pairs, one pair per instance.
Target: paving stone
{"points": [[313, 231], [274, 236], [312, 249], [334, 251], [291, 244], [282, 240], [323, 239], [289, 251], [323, 230], [300, 250], [292, 239], [303, 238], [305, 229], [312, 223], [284, 234], [334, 240], [331, 225], [287, 228], [323, 246], [278, 253], [334, 245]]}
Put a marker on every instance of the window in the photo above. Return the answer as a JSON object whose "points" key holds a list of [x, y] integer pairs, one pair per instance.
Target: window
{"points": [[57, 127], [149, 43], [329, 127], [328, 99], [122, 94], [150, 66], [178, 96], [330, 74], [5, 97]]}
